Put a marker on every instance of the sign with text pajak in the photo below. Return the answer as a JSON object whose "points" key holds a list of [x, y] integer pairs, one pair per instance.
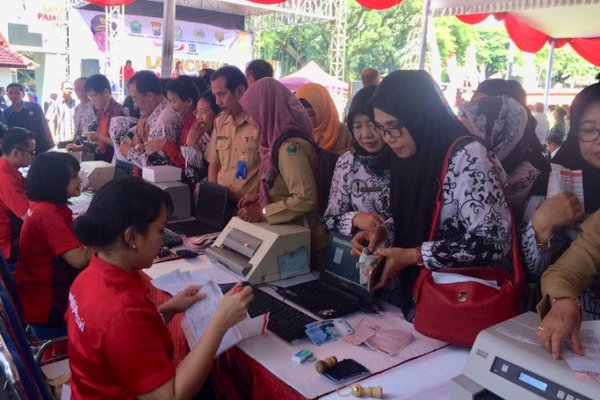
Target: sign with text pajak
{"points": [[196, 45]]}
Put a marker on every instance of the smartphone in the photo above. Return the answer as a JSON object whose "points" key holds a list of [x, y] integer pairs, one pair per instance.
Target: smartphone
{"points": [[344, 370], [375, 273]]}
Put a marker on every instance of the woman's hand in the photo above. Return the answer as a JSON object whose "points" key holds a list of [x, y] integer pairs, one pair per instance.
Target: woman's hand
{"points": [[562, 209], [71, 147], [370, 238], [154, 146], [92, 136], [367, 220], [564, 318], [233, 307], [252, 213], [247, 199], [396, 259], [195, 133], [181, 301]]}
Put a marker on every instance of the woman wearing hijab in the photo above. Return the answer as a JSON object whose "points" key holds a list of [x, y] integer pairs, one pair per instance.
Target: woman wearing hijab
{"points": [[501, 122], [555, 224], [529, 148], [475, 219], [328, 132], [359, 197], [289, 161]]}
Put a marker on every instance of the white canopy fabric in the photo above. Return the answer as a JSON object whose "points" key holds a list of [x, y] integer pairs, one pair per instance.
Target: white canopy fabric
{"points": [[556, 18], [311, 72]]}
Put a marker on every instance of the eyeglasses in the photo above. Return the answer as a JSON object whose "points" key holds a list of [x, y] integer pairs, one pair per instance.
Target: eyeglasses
{"points": [[392, 131], [588, 134], [31, 152]]}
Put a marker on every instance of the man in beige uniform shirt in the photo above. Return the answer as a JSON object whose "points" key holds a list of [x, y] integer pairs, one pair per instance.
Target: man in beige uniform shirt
{"points": [[233, 152], [562, 285]]}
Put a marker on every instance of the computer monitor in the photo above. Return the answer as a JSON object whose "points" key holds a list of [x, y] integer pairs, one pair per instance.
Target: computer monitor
{"points": [[99, 173], [123, 168]]}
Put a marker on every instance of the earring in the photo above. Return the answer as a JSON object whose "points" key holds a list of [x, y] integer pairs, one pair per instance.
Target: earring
{"points": [[133, 246]]}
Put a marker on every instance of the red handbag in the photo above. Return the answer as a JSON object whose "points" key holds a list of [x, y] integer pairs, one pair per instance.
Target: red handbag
{"points": [[457, 312]]}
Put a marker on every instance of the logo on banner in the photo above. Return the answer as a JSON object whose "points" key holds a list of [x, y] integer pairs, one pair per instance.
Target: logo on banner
{"points": [[219, 36], [178, 33], [192, 48], [135, 26], [156, 26], [199, 34]]}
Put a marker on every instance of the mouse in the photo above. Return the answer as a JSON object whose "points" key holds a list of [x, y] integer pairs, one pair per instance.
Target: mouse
{"points": [[186, 253]]}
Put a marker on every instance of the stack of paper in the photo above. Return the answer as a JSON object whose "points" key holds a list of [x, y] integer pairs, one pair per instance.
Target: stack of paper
{"points": [[587, 366], [565, 180], [196, 318]]}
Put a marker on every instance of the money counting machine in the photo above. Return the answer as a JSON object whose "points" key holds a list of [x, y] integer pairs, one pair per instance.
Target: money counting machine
{"points": [[260, 252], [507, 362]]}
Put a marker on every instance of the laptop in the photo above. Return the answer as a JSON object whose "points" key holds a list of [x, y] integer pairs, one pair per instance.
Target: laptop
{"points": [[122, 168], [338, 290], [210, 212]]}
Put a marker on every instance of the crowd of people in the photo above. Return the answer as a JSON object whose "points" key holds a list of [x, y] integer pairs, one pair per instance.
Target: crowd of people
{"points": [[272, 149]]}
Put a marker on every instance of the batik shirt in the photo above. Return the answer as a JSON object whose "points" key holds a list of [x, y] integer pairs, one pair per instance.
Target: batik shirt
{"points": [[85, 117], [162, 123], [355, 189], [475, 224]]}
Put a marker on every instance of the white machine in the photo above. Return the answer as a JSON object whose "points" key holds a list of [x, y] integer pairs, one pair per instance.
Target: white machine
{"points": [[507, 362], [99, 173], [262, 252]]}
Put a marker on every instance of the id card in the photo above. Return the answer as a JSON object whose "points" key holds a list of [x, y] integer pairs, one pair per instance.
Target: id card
{"points": [[241, 169]]}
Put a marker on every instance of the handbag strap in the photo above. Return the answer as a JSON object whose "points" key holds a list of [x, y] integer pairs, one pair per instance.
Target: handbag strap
{"points": [[518, 275]]}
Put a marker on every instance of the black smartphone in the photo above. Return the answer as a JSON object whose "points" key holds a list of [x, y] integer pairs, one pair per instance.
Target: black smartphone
{"points": [[375, 273], [186, 253], [344, 370]]}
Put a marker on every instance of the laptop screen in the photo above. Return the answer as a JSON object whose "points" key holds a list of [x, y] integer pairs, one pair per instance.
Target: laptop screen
{"points": [[340, 269], [211, 206], [122, 168]]}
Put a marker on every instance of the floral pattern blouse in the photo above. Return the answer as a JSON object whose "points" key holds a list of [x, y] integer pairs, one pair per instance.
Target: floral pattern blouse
{"points": [[475, 224], [355, 189]]}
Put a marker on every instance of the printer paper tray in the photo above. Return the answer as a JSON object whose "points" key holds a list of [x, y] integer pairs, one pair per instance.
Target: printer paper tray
{"points": [[229, 259]]}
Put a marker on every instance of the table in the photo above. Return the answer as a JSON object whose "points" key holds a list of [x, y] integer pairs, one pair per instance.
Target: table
{"points": [[241, 372]]}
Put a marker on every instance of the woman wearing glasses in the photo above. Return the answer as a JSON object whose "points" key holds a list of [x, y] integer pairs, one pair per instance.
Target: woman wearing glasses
{"points": [[475, 227], [197, 112], [359, 197], [555, 224]]}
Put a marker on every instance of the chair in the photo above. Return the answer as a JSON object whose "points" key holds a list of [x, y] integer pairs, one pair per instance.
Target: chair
{"points": [[18, 381]]}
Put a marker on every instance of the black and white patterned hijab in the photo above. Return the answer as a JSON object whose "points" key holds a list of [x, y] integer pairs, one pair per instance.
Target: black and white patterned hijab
{"points": [[501, 122]]}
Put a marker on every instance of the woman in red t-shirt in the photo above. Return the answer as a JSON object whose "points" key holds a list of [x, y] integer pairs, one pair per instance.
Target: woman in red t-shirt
{"points": [[50, 255], [119, 345]]}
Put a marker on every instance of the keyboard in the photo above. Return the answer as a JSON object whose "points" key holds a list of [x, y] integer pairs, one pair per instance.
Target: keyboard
{"points": [[171, 239], [321, 299], [285, 321]]}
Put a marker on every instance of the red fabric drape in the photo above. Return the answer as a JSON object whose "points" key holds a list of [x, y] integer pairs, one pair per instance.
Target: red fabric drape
{"points": [[377, 4], [588, 49], [525, 37], [472, 19], [106, 3]]}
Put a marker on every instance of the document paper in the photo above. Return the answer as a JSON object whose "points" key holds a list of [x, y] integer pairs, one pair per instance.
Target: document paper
{"points": [[196, 318]]}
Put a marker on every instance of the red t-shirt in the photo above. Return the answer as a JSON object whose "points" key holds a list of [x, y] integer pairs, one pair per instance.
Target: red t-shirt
{"points": [[119, 347], [13, 204], [43, 276]]}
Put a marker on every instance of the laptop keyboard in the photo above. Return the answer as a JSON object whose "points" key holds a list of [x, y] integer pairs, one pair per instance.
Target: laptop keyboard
{"points": [[322, 300], [171, 239], [285, 321]]}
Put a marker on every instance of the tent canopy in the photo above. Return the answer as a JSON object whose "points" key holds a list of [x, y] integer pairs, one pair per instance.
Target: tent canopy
{"points": [[311, 72], [533, 23], [556, 18]]}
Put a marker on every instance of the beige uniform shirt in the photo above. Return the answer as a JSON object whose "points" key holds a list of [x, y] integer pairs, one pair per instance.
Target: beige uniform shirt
{"points": [[294, 194], [575, 269], [230, 143]]}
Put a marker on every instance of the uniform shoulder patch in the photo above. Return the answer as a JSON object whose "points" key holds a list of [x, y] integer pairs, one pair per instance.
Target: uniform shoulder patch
{"points": [[292, 148]]}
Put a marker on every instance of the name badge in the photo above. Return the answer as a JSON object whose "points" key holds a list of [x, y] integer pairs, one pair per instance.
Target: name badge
{"points": [[370, 189], [241, 169]]}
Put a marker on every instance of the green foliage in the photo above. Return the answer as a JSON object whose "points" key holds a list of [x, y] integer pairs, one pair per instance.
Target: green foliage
{"points": [[389, 40]]}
